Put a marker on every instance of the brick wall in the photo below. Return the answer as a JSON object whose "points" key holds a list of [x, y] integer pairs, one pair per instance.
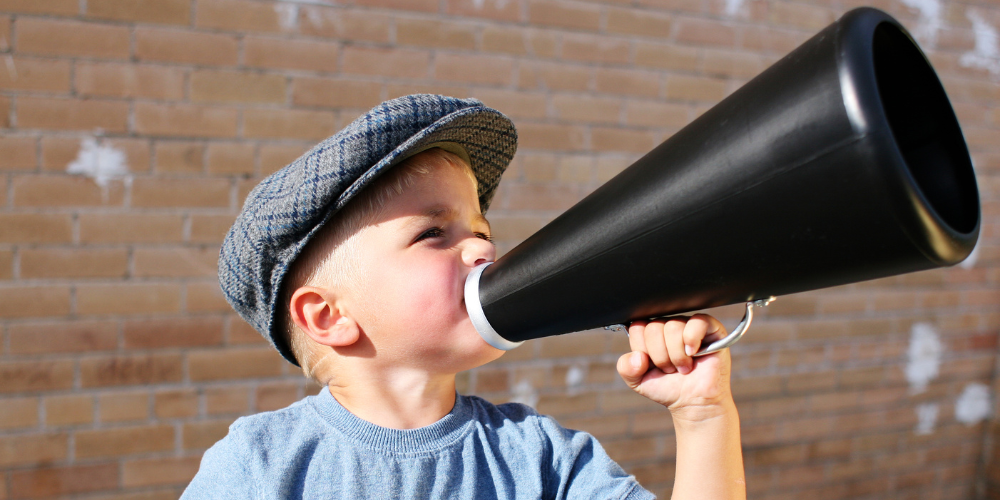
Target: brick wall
{"points": [[132, 130]]}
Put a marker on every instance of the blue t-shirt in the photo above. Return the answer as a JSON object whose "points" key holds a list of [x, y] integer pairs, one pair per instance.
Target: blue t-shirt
{"points": [[317, 449]]}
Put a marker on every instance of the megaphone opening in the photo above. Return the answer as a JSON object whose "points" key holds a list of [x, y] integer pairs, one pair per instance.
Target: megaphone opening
{"points": [[925, 128]]}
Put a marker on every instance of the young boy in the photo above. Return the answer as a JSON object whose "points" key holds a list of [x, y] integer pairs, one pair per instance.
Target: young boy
{"points": [[352, 262]]}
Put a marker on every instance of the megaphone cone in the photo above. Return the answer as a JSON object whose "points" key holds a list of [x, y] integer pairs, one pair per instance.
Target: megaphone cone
{"points": [[842, 162]]}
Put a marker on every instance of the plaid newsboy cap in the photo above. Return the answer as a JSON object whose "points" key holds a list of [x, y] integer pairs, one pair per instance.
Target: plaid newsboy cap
{"points": [[288, 207]]}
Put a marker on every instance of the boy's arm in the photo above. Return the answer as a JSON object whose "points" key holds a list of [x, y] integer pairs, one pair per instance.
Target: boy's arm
{"points": [[697, 393]]}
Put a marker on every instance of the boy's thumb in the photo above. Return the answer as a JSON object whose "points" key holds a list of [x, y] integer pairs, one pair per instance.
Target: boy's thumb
{"points": [[632, 367]]}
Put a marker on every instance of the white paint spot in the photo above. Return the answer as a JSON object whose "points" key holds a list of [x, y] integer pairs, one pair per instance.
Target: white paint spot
{"points": [[986, 54], [926, 418], [287, 14], [974, 405], [479, 4], [100, 162], [575, 377], [970, 261], [924, 357], [929, 22], [733, 7], [525, 393]]}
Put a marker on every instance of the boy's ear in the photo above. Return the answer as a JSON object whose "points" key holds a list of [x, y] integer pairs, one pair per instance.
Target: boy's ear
{"points": [[315, 311]]}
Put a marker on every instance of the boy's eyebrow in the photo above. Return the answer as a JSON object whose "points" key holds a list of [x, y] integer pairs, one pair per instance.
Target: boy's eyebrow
{"points": [[443, 212]]}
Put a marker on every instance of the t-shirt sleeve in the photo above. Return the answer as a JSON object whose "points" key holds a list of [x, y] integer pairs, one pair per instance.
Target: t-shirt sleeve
{"points": [[581, 469], [223, 473]]}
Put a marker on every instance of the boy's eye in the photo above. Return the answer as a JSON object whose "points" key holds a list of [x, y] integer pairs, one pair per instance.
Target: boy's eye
{"points": [[434, 232], [485, 237]]}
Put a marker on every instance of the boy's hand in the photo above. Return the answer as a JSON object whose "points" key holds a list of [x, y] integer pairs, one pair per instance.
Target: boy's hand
{"points": [[660, 366]]}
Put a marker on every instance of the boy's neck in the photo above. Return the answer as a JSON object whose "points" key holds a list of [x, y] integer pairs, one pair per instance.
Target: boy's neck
{"points": [[399, 400]]}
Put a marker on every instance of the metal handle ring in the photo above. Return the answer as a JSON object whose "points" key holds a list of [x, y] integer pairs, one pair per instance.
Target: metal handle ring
{"points": [[724, 342]]}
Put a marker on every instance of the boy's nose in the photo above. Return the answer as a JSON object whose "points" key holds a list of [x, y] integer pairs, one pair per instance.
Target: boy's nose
{"points": [[476, 251]]}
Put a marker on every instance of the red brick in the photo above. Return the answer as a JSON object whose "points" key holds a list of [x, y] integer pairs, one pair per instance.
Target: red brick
{"points": [[57, 7], [178, 403], [635, 22], [227, 400], [72, 114], [183, 46], [693, 88], [244, 15], [175, 332], [506, 39], [655, 114], [202, 435], [185, 120], [71, 38], [281, 53], [399, 63], [148, 11], [6, 264], [127, 298], [175, 262], [24, 376], [731, 64], [564, 14], [69, 410], [704, 32], [771, 39], [276, 396], [130, 370], [18, 413], [617, 139], [123, 407], [435, 34], [73, 263], [338, 23], [205, 297], [627, 82], [288, 124], [241, 333], [42, 75], [18, 153], [550, 136], [157, 192], [181, 157], [230, 158], [4, 112], [336, 93], [415, 5], [72, 336], [68, 480], [159, 471], [236, 87], [129, 80], [394, 90], [210, 228], [477, 69], [595, 49], [64, 191], [586, 108], [31, 449], [666, 56], [233, 364], [130, 228], [124, 441], [515, 104], [34, 301]]}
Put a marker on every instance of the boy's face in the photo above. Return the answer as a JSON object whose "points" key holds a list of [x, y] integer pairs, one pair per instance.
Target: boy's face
{"points": [[413, 262]]}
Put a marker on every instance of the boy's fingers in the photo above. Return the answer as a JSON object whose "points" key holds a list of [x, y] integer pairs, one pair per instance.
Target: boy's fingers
{"points": [[676, 348], [635, 335], [695, 331], [656, 345], [632, 367]]}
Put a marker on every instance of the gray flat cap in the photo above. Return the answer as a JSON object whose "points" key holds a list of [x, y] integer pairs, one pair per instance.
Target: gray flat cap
{"points": [[288, 207]]}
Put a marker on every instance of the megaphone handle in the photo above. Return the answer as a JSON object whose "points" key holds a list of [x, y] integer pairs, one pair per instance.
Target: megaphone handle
{"points": [[726, 341]]}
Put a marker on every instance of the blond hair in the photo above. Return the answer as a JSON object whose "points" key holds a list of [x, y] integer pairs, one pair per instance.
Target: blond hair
{"points": [[328, 260]]}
